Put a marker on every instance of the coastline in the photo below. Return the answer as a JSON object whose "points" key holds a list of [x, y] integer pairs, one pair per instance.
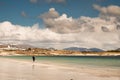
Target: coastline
{"points": [[24, 70], [14, 53], [54, 52]]}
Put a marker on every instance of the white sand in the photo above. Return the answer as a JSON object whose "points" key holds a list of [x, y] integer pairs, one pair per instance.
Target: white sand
{"points": [[24, 70]]}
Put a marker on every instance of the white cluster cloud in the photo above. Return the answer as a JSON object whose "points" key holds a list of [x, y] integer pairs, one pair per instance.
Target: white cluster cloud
{"points": [[10, 33], [17, 32], [51, 14], [64, 24], [110, 10], [62, 31]]}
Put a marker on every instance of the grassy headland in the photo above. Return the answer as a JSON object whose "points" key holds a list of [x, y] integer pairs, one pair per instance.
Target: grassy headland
{"points": [[55, 52]]}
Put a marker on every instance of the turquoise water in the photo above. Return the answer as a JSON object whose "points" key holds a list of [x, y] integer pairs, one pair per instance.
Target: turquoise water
{"points": [[96, 61]]}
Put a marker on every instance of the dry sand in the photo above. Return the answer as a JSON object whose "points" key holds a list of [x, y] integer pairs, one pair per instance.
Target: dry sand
{"points": [[11, 69]]}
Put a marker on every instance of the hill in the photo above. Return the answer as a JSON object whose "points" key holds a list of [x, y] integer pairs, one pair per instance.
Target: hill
{"points": [[84, 49]]}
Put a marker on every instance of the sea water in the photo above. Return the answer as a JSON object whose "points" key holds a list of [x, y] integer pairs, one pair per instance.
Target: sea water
{"points": [[92, 61]]}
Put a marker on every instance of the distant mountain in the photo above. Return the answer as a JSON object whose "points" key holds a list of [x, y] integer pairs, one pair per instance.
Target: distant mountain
{"points": [[84, 49], [115, 50], [96, 49], [118, 49], [76, 49]]}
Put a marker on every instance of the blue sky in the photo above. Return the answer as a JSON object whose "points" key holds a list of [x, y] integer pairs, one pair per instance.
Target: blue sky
{"points": [[61, 23], [10, 10]]}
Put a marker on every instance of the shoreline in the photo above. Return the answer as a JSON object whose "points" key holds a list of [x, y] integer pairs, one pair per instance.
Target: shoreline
{"points": [[2, 54], [48, 52], [85, 73]]}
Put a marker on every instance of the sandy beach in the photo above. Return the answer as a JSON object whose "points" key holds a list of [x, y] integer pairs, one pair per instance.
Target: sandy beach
{"points": [[12, 69]]}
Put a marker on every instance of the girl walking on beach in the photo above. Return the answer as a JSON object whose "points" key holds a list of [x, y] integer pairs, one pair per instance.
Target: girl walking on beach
{"points": [[33, 58]]}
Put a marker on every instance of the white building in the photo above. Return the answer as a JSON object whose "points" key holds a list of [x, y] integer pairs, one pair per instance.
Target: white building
{"points": [[9, 47]]}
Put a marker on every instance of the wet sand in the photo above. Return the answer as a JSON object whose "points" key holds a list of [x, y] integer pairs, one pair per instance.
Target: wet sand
{"points": [[12, 69]]}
